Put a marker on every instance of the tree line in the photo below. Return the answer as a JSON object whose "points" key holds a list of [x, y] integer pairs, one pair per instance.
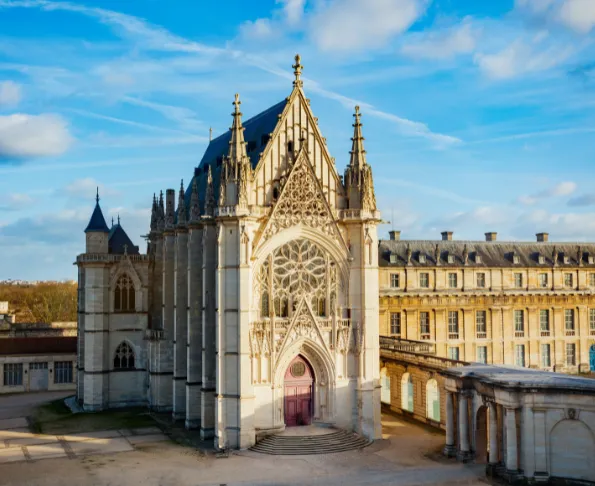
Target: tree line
{"points": [[41, 302]]}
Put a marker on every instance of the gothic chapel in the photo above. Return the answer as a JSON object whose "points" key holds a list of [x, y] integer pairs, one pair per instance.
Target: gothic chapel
{"points": [[255, 307]]}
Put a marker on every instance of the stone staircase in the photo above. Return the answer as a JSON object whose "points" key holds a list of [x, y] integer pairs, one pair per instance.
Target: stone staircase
{"points": [[335, 441]]}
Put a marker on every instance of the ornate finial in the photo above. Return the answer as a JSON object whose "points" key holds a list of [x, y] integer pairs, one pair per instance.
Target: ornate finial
{"points": [[236, 103], [209, 194], [97, 196], [297, 71], [210, 134], [118, 219]]}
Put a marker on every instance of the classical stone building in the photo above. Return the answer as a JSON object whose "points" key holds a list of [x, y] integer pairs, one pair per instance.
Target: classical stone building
{"points": [[519, 303], [256, 304]]}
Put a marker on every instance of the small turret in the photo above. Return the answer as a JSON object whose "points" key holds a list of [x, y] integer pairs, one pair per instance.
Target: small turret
{"points": [[97, 231], [194, 203]]}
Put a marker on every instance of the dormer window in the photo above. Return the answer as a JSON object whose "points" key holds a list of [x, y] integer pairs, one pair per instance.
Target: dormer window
{"points": [[422, 258], [540, 259], [393, 258], [450, 258], [477, 258], [590, 259], [515, 259], [566, 259]]}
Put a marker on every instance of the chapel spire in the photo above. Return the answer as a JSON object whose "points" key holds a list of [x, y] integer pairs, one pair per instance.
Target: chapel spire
{"points": [[358, 153], [237, 145], [181, 206], [97, 222], [154, 214]]}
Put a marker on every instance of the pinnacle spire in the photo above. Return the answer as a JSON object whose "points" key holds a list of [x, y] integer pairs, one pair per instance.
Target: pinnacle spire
{"points": [[181, 205], [97, 221], [194, 205], [297, 71], [209, 194], [160, 213], [358, 154], [237, 145], [154, 213]]}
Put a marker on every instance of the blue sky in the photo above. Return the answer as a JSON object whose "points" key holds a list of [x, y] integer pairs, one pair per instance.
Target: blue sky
{"points": [[478, 116]]}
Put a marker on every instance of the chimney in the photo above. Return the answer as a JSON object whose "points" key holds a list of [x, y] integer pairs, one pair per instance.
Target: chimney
{"points": [[491, 236], [446, 235], [394, 235], [542, 237]]}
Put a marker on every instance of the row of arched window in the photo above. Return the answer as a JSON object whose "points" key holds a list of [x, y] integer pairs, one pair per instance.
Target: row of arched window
{"points": [[432, 395]]}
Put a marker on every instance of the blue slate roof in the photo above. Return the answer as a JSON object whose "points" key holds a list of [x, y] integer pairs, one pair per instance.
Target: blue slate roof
{"points": [[256, 133], [117, 239], [97, 221]]}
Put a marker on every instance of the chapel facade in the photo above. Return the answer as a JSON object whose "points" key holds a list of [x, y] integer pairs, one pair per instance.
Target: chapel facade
{"points": [[255, 306]]}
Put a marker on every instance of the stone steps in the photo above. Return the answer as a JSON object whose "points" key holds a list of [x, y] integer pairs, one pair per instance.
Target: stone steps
{"points": [[338, 441]]}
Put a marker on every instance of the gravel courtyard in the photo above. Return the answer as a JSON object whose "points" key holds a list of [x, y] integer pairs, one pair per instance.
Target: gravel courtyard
{"points": [[406, 456]]}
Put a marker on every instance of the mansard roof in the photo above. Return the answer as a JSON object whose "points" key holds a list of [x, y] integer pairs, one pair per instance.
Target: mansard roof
{"points": [[256, 133], [118, 239], [97, 221], [492, 253]]}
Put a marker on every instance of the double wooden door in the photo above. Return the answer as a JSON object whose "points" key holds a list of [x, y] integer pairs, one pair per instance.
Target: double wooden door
{"points": [[299, 382]]}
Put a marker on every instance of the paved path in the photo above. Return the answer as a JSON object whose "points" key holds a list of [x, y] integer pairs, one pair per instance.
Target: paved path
{"points": [[18, 444]]}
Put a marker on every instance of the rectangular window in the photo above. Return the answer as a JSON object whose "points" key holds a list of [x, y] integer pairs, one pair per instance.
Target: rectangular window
{"points": [[592, 280], [519, 323], [424, 280], [518, 280], [13, 374], [452, 280], [482, 354], [453, 353], [424, 325], [453, 325], [395, 323], [481, 280], [519, 355], [480, 324], [63, 372], [543, 280], [592, 321], [571, 354], [544, 322], [569, 321], [394, 280], [568, 280], [546, 361]]}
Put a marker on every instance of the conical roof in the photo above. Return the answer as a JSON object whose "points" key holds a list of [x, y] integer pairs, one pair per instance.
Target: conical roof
{"points": [[97, 221]]}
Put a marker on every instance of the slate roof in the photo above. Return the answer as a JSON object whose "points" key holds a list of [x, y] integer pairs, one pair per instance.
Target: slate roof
{"points": [[117, 239], [256, 133], [97, 221], [492, 253], [38, 345]]}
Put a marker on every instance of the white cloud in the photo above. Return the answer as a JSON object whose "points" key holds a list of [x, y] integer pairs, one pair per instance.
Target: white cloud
{"points": [[288, 16], [441, 44], [257, 29], [15, 201], [293, 10], [10, 93], [25, 136], [561, 189], [346, 25], [522, 57], [577, 15]]}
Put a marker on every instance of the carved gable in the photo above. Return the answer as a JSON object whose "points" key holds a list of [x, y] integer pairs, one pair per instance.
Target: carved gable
{"points": [[303, 325], [302, 201]]}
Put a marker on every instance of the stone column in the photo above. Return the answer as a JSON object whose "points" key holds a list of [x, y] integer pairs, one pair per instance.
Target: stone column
{"points": [[450, 447], [512, 463], [180, 323], [493, 417], [464, 453]]}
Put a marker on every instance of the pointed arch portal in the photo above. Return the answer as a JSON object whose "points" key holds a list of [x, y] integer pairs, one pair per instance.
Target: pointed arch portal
{"points": [[298, 392]]}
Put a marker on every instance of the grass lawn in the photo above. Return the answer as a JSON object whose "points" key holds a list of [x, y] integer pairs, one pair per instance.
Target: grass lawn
{"points": [[56, 418]]}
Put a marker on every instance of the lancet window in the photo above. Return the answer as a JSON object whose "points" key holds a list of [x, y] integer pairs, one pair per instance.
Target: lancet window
{"points": [[124, 358], [299, 269], [124, 296]]}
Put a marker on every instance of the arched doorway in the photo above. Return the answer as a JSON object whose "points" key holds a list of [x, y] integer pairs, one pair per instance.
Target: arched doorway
{"points": [[299, 381], [592, 357], [572, 451], [432, 400], [481, 435]]}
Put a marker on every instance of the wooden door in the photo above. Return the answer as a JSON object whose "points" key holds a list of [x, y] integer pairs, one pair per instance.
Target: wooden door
{"points": [[299, 381]]}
